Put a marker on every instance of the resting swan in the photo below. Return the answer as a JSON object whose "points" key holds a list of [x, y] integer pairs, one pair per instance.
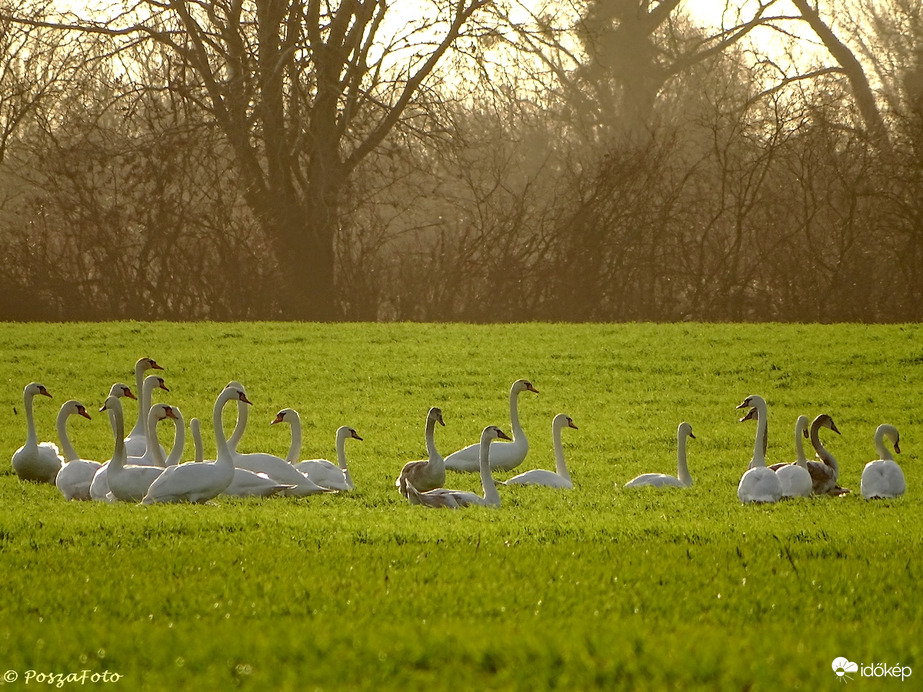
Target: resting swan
{"points": [[199, 482], [127, 482], [455, 499], [759, 484], [559, 478], [429, 473], [883, 479], [503, 457], [136, 442], [661, 480], [33, 461], [795, 477], [327, 474], [826, 472], [75, 476]]}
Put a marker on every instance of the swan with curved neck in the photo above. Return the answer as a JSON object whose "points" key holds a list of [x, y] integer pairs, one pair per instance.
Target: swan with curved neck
{"points": [[455, 499], [661, 480], [127, 482], [99, 487], [795, 477], [136, 442], [503, 457], [324, 473], [199, 482], [161, 412], [76, 474], [33, 461], [759, 484], [883, 479], [824, 473], [240, 426], [148, 457], [426, 474], [559, 478]]}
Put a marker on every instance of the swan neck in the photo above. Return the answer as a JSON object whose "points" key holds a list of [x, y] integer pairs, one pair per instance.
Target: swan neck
{"points": [[682, 469], [67, 449], [431, 452], [144, 407], [883, 452], [800, 458], [559, 466], [31, 436], [514, 415], [239, 427], [760, 445], [821, 451], [341, 449], [294, 449], [179, 441], [117, 420], [224, 452], [487, 481], [194, 426]]}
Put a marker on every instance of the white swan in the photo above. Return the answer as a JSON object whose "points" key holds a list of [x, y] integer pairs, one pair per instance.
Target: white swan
{"points": [[75, 476], [34, 461], [883, 479], [99, 487], [454, 499], [795, 477], [136, 442], [148, 456], [559, 478], [759, 484], [662, 480], [427, 474], [826, 472], [127, 482], [199, 482], [503, 457], [324, 473]]}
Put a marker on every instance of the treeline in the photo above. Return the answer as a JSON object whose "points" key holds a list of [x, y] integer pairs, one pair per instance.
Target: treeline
{"points": [[692, 177]]}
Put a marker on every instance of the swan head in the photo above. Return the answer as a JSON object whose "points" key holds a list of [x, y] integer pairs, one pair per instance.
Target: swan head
{"points": [[752, 400], [802, 425], [112, 403], [824, 421], [75, 408], [286, 415], [122, 389], [163, 411], [492, 432], [562, 420], [35, 389], [155, 382], [435, 413], [685, 430], [346, 432], [523, 386], [889, 431], [752, 414], [147, 363], [236, 392]]}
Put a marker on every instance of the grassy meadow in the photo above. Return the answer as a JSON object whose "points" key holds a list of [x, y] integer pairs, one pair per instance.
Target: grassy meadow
{"points": [[599, 587]]}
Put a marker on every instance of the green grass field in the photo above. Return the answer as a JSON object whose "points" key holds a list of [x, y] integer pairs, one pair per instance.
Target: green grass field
{"points": [[599, 587]]}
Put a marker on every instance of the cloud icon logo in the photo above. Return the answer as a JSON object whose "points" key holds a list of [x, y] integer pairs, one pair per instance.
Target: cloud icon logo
{"points": [[842, 666]]}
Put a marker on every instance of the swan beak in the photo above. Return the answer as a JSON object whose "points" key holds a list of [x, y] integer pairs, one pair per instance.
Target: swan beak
{"points": [[163, 386], [834, 429], [532, 389], [743, 404], [44, 392], [278, 419], [805, 433], [129, 394], [897, 447], [691, 435], [503, 436], [243, 398], [441, 422], [570, 424], [356, 436], [102, 408], [83, 412], [168, 410], [154, 365]]}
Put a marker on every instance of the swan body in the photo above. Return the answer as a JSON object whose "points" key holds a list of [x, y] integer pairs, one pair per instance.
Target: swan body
{"points": [[198, 482], [99, 487], [795, 477], [324, 473], [136, 442], [427, 474], [883, 479], [127, 482], [824, 473], [33, 461], [662, 480], [503, 457], [759, 484], [455, 499], [559, 478], [76, 474]]}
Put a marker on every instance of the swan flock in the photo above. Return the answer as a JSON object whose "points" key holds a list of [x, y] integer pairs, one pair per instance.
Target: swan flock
{"points": [[140, 471]]}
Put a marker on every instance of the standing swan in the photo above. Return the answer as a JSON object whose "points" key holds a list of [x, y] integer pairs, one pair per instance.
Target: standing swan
{"points": [[34, 461], [429, 473], [559, 478], [127, 483], [454, 499], [661, 480], [759, 484], [883, 479], [795, 477], [503, 457], [136, 442], [824, 473], [75, 476], [199, 482]]}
